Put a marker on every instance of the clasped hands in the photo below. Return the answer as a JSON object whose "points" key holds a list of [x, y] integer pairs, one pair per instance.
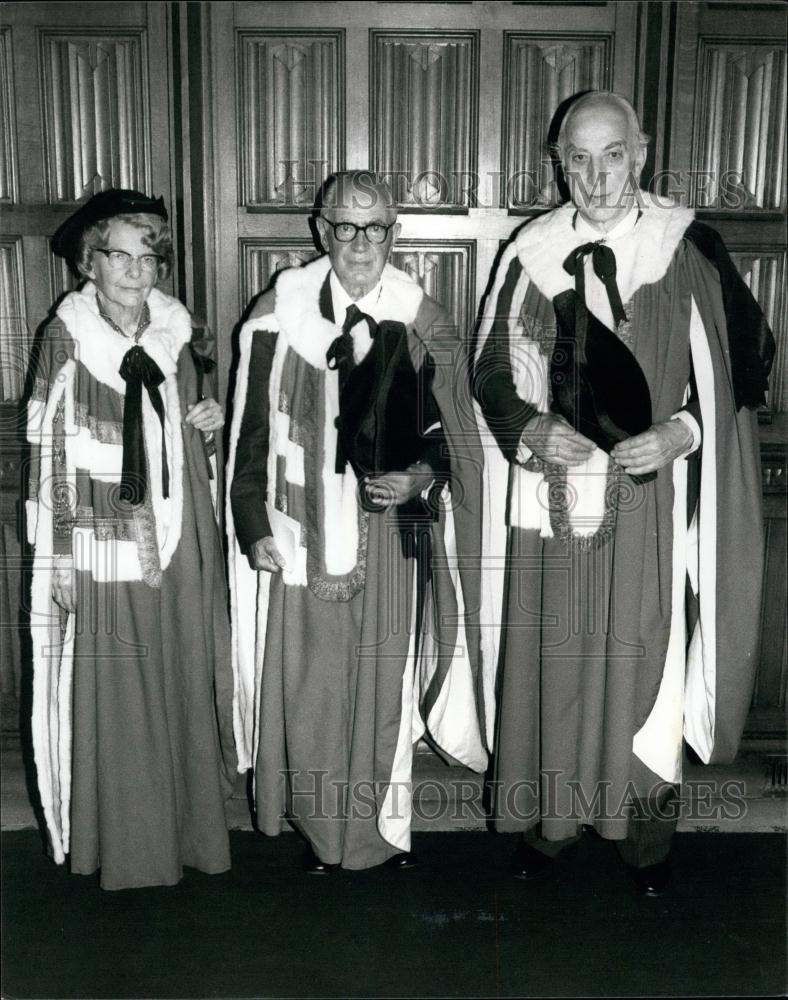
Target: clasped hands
{"points": [[388, 490], [555, 441]]}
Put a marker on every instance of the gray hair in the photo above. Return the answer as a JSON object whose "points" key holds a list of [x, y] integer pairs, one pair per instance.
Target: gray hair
{"points": [[356, 189], [156, 235], [637, 139]]}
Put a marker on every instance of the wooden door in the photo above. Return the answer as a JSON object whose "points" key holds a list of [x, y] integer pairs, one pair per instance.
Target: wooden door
{"points": [[452, 101]]}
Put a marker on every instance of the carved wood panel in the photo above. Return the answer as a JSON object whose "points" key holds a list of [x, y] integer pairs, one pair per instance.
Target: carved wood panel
{"points": [[539, 73], [739, 144], [445, 271], [14, 339], [424, 91], [61, 277], [96, 111], [291, 103], [261, 259], [8, 189]]}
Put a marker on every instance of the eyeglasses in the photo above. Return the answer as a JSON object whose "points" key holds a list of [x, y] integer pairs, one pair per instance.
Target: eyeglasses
{"points": [[345, 232], [119, 260]]}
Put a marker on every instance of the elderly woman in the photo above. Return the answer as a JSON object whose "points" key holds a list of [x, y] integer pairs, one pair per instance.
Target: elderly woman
{"points": [[132, 691]]}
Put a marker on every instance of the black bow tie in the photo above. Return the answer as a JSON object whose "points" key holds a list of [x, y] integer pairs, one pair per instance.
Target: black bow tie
{"points": [[604, 263], [138, 369]]}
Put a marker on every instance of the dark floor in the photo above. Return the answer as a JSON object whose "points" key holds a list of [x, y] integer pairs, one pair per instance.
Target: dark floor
{"points": [[458, 925]]}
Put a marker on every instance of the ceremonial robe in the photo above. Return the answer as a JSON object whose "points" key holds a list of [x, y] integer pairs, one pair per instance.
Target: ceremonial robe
{"points": [[132, 694], [334, 680], [631, 607]]}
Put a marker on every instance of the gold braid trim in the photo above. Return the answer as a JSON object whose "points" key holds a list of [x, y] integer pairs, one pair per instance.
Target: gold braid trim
{"points": [[562, 502]]}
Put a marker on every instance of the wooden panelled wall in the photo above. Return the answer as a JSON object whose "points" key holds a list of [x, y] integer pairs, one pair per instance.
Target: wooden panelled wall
{"points": [[236, 112]]}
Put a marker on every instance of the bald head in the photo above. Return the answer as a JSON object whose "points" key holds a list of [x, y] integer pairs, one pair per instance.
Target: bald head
{"points": [[602, 152], [605, 103]]}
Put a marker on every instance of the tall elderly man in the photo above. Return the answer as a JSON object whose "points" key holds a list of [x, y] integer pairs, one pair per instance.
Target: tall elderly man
{"points": [[618, 366], [353, 430]]}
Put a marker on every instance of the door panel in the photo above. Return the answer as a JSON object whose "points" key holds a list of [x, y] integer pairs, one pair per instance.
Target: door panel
{"points": [[86, 95], [448, 100]]}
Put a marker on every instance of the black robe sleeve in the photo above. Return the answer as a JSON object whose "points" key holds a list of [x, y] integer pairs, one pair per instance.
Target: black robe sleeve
{"points": [[493, 385], [750, 341], [250, 473]]}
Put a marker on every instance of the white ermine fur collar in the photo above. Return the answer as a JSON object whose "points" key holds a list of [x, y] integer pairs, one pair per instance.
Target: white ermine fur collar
{"points": [[297, 308], [102, 349], [643, 255]]}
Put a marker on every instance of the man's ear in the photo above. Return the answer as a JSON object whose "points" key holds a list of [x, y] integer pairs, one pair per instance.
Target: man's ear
{"points": [[395, 232], [322, 228], [640, 161]]}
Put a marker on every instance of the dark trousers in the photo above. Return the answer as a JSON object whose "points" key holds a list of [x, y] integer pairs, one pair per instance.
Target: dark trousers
{"points": [[649, 835]]}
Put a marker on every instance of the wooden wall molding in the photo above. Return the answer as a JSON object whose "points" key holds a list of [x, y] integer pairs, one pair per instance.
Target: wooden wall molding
{"points": [[739, 136], [291, 107], [14, 335], [423, 127], [8, 142], [444, 270], [96, 110], [260, 259]]}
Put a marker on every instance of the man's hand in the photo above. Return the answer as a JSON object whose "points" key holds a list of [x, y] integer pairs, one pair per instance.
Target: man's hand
{"points": [[206, 416], [395, 488], [554, 440], [264, 555], [63, 589], [655, 448]]}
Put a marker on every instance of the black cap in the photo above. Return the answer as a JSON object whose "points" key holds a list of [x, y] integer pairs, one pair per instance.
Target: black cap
{"points": [[104, 205]]}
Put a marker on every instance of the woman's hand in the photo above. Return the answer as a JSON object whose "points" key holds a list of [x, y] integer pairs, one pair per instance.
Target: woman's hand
{"points": [[206, 416], [63, 589]]}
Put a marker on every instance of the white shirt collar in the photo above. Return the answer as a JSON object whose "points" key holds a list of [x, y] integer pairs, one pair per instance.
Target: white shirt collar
{"points": [[341, 300], [587, 232]]}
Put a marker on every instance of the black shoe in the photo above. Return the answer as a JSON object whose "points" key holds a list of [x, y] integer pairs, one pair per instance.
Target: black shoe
{"points": [[402, 861], [528, 863], [314, 866], [652, 879]]}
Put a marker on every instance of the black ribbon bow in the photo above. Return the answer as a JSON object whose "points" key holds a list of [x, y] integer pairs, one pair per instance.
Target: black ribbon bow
{"points": [[138, 369], [339, 357], [604, 263]]}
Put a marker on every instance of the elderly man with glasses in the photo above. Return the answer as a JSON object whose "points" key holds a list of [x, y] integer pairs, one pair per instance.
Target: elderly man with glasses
{"points": [[356, 497]]}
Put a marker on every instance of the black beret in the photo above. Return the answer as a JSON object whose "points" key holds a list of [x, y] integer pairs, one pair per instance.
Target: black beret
{"points": [[104, 205]]}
